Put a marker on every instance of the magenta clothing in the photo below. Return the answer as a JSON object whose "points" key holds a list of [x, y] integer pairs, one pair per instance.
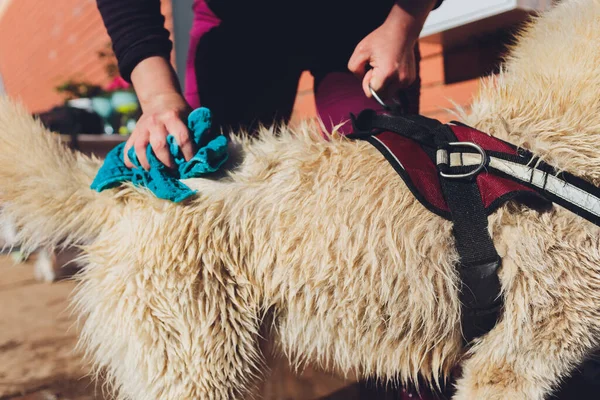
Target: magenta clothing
{"points": [[337, 92], [204, 21]]}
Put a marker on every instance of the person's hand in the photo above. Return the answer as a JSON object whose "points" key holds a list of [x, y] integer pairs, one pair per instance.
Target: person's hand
{"points": [[162, 116], [389, 49], [164, 112], [391, 57]]}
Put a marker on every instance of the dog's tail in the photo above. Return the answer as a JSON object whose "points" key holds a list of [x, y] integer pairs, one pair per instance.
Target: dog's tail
{"points": [[45, 187]]}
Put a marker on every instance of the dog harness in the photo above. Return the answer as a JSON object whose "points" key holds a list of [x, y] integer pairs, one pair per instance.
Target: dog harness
{"points": [[463, 175]]}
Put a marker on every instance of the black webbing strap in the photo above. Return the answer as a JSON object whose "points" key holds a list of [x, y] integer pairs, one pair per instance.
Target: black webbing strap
{"points": [[368, 121], [481, 289], [479, 262]]}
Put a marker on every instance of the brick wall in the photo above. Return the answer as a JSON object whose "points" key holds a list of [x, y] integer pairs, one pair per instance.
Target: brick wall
{"points": [[44, 43], [437, 96]]}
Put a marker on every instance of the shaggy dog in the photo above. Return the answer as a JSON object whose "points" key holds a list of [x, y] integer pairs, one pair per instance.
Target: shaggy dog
{"points": [[318, 244]]}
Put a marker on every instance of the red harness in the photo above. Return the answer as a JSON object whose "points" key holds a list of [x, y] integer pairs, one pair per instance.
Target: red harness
{"points": [[463, 175], [422, 176]]}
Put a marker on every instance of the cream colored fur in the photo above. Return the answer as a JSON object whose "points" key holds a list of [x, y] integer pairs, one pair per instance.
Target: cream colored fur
{"points": [[319, 245]]}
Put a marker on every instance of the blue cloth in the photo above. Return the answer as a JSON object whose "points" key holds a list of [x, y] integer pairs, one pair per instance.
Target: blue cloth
{"points": [[162, 181]]}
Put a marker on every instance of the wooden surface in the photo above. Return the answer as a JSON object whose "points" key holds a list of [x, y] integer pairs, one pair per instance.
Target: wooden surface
{"points": [[37, 339]]}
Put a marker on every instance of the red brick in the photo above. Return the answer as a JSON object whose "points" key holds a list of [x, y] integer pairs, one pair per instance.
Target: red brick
{"points": [[28, 37], [304, 107], [429, 49], [306, 82], [443, 115], [436, 98], [432, 70]]}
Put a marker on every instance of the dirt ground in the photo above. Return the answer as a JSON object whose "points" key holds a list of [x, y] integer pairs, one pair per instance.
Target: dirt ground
{"points": [[38, 336]]}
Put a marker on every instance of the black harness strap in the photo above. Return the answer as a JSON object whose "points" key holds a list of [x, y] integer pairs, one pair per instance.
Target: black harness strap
{"points": [[479, 261], [420, 129]]}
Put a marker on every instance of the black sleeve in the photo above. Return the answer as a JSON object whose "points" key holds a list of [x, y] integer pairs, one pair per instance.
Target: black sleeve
{"points": [[137, 30], [438, 3]]}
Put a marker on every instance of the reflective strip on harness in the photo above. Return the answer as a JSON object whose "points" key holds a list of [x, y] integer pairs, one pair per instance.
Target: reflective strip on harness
{"points": [[527, 174], [549, 184]]}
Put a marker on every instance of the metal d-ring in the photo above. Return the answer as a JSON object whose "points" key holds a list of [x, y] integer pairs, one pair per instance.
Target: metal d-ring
{"points": [[378, 99], [469, 174]]}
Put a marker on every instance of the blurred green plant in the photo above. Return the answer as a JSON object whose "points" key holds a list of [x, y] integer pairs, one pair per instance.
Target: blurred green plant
{"points": [[107, 54], [115, 102], [74, 89]]}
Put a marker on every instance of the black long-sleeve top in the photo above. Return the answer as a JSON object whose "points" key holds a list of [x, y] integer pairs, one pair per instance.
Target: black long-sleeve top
{"points": [[137, 29]]}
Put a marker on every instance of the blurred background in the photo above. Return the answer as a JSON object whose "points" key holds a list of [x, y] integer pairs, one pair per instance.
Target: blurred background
{"points": [[56, 58]]}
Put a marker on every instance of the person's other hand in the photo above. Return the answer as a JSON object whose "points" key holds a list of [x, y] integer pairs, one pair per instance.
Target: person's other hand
{"points": [[391, 57], [389, 49]]}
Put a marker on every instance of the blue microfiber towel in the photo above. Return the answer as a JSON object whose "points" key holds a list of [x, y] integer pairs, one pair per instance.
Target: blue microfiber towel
{"points": [[163, 182]]}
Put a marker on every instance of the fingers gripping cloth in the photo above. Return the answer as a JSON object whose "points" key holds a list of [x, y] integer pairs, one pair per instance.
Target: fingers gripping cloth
{"points": [[164, 182]]}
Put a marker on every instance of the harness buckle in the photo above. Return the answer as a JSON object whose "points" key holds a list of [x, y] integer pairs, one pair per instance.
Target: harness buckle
{"points": [[443, 158], [399, 106], [378, 99]]}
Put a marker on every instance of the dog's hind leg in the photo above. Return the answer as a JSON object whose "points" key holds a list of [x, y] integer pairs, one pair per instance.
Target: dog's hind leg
{"points": [[529, 368], [549, 326], [166, 323]]}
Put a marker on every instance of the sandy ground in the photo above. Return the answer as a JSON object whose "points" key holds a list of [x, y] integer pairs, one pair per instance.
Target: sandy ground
{"points": [[38, 336]]}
